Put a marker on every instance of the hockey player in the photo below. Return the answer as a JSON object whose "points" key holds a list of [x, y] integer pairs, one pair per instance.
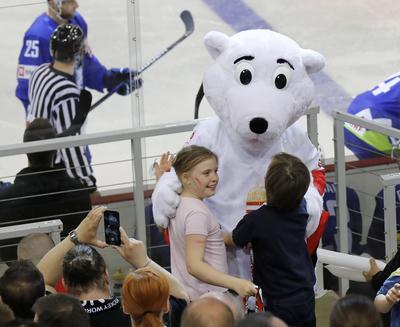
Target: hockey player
{"points": [[53, 95], [354, 219], [89, 71], [380, 104]]}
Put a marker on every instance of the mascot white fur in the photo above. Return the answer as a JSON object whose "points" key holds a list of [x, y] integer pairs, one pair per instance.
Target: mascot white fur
{"points": [[258, 86]]}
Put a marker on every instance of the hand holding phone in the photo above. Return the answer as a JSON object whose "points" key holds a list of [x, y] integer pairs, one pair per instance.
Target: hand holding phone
{"points": [[111, 227]]}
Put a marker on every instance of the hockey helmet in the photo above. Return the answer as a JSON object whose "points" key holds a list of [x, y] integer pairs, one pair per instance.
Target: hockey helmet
{"points": [[66, 42]]}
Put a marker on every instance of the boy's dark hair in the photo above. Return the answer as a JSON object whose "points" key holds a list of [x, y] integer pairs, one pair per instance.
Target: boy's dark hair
{"points": [[60, 310], [40, 129], [83, 269], [286, 182], [20, 286], [354, 310], [190, 156]]}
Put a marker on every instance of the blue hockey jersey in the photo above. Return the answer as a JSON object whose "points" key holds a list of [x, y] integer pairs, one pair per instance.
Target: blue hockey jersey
{"points": [[380, 104], [376, 232], [354, 219], [36, 51]]}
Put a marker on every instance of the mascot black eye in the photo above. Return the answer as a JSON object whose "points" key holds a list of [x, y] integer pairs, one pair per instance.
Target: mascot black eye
{"points": [[280, 81], [245, 76], [282, 77], [244, 73]]}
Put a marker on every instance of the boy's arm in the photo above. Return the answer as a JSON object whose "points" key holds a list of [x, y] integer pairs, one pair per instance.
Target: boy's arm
{"points": [[194, 253], [384, 302], [242, 234]]}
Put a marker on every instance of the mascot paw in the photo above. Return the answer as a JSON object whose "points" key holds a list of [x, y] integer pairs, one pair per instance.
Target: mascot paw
{"points": [[165, 198]]}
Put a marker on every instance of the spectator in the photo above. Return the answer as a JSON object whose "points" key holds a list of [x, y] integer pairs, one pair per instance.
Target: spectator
{"points": [[20, 323], [261, 319], [20, 286], [276, 232], [6, 314], [354, 310], [388, 297], [54, 95], [377, 277], [207, 312], [35, 51], [198, 253], [86, 277], [3, 185], [41, 192], [85, 274], [234, 302], [34, 246], [145, 294], [60, 310]]}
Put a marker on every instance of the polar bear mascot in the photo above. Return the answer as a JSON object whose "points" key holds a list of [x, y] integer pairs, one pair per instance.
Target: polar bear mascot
{"points": [[258, 86]]}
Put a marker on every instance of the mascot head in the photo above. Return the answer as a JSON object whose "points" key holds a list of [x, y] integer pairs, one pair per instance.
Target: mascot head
{"points": [[259, 84]]}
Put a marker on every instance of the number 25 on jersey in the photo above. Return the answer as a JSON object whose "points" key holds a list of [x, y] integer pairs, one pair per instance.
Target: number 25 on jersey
{"points": [[31, 48]]}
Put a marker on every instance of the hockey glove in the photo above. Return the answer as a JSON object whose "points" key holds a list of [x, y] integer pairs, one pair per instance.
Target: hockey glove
{"points": [[127, 77]]}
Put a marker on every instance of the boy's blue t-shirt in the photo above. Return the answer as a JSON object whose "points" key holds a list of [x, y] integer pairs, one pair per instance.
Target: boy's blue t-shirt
{"points": [[387, 285], [282, 264]]}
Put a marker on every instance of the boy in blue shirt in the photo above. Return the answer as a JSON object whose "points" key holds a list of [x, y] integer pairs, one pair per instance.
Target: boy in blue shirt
{"points": [[388, 297], [276, 232]]}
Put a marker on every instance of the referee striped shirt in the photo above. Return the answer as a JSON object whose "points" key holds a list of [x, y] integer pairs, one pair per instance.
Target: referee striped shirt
{"points": [[53, 95]]}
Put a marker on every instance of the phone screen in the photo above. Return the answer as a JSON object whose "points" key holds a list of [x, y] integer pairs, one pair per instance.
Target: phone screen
{"points": [[111, 227]]}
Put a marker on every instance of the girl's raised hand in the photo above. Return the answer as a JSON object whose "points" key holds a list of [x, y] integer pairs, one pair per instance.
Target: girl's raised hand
{"points": [[164, 165]]}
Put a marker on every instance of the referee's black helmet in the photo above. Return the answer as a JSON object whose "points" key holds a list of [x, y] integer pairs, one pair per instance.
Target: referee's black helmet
{"points": [[66, 42]]}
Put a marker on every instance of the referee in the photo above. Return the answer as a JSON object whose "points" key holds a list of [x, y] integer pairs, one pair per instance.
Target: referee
{"points": [[54, 95]]}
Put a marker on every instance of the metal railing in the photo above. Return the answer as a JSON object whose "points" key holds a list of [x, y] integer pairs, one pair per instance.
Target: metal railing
{"points": [[52, 227], [136, 136], [388, 184]]}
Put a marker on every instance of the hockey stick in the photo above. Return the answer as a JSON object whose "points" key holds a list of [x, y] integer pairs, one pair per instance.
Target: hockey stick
{"points": [[187, 19]]}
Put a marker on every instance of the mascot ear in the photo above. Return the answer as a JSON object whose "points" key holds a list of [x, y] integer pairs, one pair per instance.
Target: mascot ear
{"points": [[216, 42], [313, 60]]}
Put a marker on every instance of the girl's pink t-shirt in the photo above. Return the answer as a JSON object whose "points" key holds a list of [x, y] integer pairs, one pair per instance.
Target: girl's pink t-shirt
{"points": [[194, 217]]}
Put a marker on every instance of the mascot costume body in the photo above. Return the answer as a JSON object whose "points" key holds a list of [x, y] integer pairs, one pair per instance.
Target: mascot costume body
{"points": [[258, 86]]}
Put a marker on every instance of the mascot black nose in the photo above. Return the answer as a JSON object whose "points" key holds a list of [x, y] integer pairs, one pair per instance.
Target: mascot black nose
{"points": [[258, 125]]}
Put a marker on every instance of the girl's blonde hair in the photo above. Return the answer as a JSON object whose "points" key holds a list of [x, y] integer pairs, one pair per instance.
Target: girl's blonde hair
{"points": [[145, 295], [190, 156]]}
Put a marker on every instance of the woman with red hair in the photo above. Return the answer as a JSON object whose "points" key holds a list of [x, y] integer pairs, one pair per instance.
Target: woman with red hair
{"points": [[145, 295]]}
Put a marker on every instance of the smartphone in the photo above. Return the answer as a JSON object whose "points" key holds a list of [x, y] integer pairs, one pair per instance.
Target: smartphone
{"points": [[111, 227]]}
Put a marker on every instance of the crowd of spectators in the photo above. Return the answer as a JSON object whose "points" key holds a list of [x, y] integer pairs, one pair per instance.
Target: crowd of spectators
{"points": [[33, 288]]}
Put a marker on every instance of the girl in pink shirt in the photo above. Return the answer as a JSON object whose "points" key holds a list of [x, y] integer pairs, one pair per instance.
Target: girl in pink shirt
{"points": [[198, 254]]}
